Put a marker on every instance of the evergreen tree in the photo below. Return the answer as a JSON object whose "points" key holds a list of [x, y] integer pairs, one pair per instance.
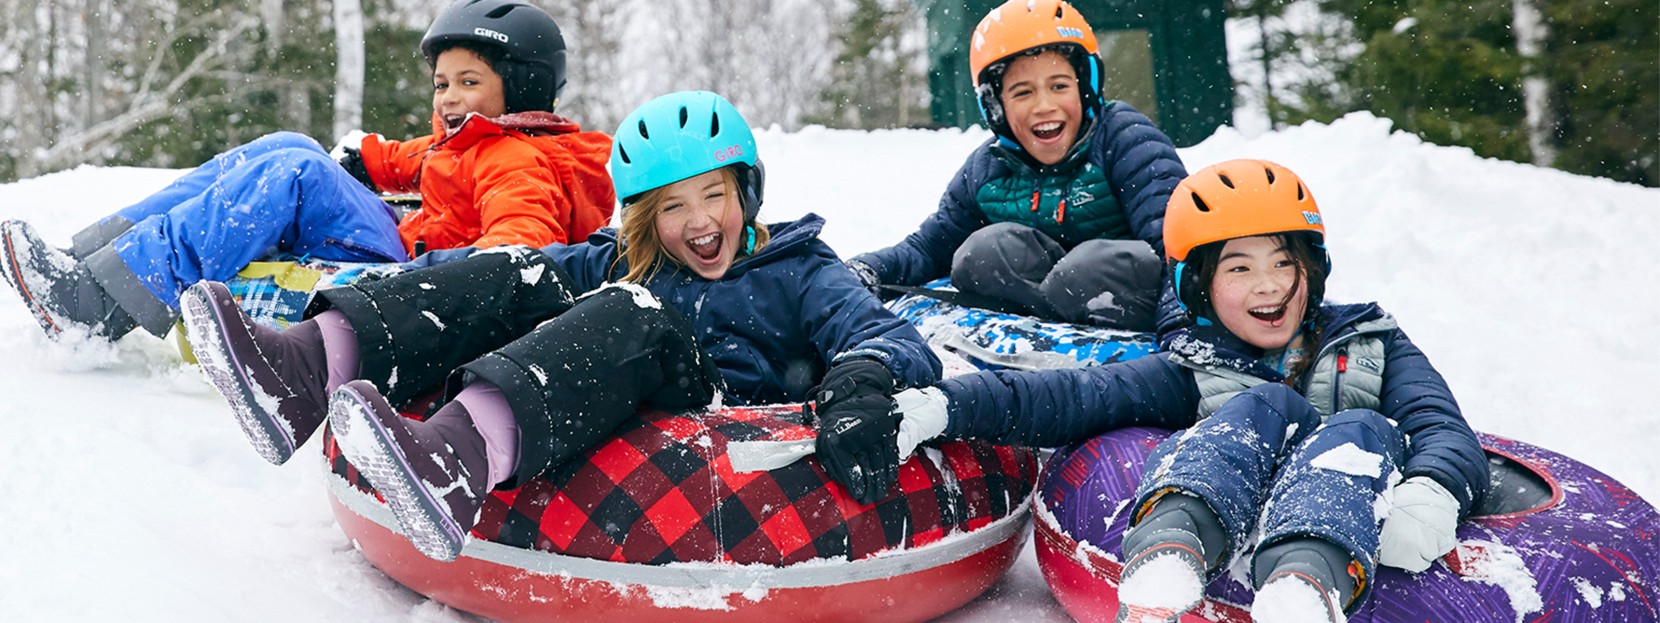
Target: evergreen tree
{"points": [[876, 80]]}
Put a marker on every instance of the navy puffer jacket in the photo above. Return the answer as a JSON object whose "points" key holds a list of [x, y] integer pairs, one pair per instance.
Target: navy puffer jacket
{"points": [[1059, 407], [1114, 184]]}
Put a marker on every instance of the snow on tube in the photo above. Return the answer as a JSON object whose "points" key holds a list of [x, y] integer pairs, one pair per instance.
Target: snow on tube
{"points": [[1555, 541], [654, 525], [991, 339]]}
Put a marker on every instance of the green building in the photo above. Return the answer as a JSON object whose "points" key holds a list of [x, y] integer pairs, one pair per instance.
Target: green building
{"points": [[1168, 58]]}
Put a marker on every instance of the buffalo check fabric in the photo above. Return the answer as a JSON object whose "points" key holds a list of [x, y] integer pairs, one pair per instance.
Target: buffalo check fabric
{"points": [[663, 491]]}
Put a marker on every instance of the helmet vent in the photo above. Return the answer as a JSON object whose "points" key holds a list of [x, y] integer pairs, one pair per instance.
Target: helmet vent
{"points": [[499, 11], [643, 133], [1059, 10], [1300, 194], [683, 116], [1199, 202], [1225, 181], [1270, 173], [714, 124], [624, 154]]}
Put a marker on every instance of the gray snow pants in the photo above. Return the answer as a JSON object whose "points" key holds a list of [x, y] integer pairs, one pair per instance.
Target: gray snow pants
{"points": [[1112, 283]]}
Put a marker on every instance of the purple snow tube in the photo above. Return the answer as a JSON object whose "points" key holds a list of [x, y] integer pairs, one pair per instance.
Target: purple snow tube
{"points": [[1556, 541]]}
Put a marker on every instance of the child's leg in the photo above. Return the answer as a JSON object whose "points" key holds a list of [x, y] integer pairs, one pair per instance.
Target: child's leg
{"points": [[1328, 489], [276, 382], [545, 398], [1112, 283], [1228, 458], [193, 183], [574, 379], [1007, 261], [414, 328], [295, 200]]}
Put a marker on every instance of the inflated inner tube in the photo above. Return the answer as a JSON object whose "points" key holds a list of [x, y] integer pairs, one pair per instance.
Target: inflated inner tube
{"points": [[655, 525]]}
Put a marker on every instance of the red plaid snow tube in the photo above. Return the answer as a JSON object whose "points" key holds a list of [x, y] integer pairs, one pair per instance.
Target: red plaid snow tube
{"points": [[655, 525]]}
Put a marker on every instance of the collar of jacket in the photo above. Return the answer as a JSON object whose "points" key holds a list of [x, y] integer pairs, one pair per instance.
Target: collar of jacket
{"points": [[1020, 160], [1214, 346], [787, 239], [475, 127]]}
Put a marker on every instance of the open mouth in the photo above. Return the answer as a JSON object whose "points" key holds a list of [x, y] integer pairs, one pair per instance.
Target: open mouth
{"points": [[1048, 131], [453, 121], [1268, 314], [706, 248]]}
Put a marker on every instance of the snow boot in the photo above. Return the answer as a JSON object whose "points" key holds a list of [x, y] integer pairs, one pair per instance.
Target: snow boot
{"points": [[274, 380], [1305, 580], [1168, 551], [433, 474], [59, 290]]}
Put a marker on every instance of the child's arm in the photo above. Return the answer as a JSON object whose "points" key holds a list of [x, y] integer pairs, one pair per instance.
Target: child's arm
{"points": [[517, 196], [1049, 408], [1442, 446], [843, 320], [394, 166], [1143, 168]]}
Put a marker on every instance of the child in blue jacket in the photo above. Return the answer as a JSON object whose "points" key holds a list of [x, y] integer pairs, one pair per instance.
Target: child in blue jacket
{"points": [[1299, 416], [1061, 212], [543, 359]]}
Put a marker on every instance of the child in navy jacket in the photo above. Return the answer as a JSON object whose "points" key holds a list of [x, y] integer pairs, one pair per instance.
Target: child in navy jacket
{"points": [[1061, 212], [1300, 416]]}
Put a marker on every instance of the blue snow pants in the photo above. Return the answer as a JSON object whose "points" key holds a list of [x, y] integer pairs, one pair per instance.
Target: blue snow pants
{"points": [[281, 192], [1268, 443]]}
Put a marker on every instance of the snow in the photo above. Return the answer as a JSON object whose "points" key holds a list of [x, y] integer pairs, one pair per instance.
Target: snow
{"points": [[130, 493], [1350, 459]]}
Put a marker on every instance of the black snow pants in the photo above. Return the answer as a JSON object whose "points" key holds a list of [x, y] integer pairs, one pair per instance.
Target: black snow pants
{"points": [[572, 369]]}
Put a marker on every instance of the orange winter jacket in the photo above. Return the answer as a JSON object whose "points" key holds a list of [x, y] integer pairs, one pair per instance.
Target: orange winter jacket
{"points": [[530, 178]]}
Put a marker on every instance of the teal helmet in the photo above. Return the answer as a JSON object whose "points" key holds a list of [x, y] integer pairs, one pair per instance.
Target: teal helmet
{"points": [[680, 136]]}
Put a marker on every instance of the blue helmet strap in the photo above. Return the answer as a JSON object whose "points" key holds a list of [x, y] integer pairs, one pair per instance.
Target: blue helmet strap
{"points": [[749, 238]]}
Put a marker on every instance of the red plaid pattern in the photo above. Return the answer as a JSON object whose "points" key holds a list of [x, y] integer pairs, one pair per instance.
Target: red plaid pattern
{"points": [[663, 491]]}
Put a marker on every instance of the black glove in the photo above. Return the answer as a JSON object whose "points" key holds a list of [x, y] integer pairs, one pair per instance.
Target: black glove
{"points": [[352, 161], [858, 428], [866, 275]]}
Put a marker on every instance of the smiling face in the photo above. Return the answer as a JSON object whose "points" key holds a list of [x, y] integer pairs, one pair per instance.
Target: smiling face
{"points": [[1259, 293], [1042, 104], [699, 222], [463, 82]]}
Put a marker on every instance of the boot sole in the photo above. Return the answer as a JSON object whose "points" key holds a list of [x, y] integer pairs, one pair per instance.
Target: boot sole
{"points": [[14, 276], [205, 329], [369, 446]]}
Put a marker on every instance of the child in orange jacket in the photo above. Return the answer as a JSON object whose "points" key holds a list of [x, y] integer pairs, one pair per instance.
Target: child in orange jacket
{"points": [[499, 168]]}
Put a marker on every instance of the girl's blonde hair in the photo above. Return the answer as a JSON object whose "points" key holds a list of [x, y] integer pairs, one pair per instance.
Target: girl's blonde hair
{"points": [[643, 250]]}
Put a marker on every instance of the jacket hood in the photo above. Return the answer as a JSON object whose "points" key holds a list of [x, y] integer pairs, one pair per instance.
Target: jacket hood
{"points": [[529, 122], [787, 239]]}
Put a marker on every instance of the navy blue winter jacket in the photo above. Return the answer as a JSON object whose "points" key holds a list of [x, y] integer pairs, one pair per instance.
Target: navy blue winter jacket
{"points": [[1057, 407], [793, 297], [1137, 167]]}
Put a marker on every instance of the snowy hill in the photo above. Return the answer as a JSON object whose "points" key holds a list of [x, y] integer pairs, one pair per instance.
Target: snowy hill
{"points": [[127, 492]]}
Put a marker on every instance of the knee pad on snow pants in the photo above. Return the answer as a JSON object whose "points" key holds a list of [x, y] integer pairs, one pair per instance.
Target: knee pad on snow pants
{"points": [[1112, 283], [415, 328], [1007, 261], [577, 377]]}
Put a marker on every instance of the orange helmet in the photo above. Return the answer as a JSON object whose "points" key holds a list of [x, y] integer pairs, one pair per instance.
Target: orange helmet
{"points": [[1019, 26], [1236, 199]]}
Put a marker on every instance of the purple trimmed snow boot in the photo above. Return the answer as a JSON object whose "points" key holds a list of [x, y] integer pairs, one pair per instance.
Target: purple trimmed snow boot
{"points": [[60, 292], [1308, 581], [1168, 551], [275, 381], [433, 474]]}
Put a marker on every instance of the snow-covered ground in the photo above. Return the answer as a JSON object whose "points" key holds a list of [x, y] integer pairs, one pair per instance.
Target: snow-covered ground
{"points": [[127, 492]]}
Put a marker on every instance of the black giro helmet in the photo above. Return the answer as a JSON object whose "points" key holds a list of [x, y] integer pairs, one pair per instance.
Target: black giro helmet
{"points": [[535, 49]]}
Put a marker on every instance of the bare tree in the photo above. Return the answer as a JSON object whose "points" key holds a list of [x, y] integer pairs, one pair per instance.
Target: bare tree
{"points": [[594, 33], [1530, 29], [348, 66]]}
